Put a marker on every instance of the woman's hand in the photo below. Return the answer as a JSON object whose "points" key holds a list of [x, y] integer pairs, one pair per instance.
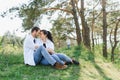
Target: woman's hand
{"points": [[51, 51]]}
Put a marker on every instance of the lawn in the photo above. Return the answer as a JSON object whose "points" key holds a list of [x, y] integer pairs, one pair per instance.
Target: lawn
{"points": [[91, 68]]}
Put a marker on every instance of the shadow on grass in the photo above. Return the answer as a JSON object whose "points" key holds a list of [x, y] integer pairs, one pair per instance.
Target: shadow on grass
{"points": [[100, 71], [91, 57], [74, 73], [12, 68]]}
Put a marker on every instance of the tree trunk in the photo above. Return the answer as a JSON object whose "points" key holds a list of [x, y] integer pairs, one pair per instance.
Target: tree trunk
{"points": [[104, 29], [78, 33], [115, 41], [86, 30], [92, 28]]}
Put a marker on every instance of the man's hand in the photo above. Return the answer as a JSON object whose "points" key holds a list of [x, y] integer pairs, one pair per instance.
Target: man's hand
{"points": [[36, 46]]}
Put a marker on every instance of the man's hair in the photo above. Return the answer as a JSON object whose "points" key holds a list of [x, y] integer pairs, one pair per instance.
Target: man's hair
{"points": [[35, 29]]}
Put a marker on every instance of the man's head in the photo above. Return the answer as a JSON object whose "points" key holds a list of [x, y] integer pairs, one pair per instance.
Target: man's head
{"points": [[35, 31]]}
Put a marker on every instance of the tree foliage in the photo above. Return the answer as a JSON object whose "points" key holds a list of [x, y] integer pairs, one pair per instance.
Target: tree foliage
{"points": [[88, 20]]}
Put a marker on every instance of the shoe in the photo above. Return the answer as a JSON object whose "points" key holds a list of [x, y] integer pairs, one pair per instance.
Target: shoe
{"points": [[68, 63], [75, 62], [60, 66]]}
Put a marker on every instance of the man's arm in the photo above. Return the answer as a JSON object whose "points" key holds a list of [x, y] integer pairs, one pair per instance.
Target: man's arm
{"points": [[28, 43]]}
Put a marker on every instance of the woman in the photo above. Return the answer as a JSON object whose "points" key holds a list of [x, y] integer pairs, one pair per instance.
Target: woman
{"points": [[47, 41]]}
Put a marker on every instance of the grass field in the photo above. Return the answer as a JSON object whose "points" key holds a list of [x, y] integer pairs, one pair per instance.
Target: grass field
{"points": [[93, 66]]}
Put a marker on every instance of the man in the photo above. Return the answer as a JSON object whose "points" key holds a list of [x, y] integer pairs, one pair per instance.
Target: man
{"points": [[34, 52], [68, 43]]}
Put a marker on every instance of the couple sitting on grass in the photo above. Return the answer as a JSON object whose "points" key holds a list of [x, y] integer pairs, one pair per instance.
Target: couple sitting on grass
{"points": [[39, 49]]}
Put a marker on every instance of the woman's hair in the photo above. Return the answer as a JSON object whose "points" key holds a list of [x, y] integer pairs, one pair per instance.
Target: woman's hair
{"points": [[49, 35]]}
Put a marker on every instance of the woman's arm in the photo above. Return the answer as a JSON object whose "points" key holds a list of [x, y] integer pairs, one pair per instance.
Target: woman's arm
{"points": [[51, 51], [50, 47]]}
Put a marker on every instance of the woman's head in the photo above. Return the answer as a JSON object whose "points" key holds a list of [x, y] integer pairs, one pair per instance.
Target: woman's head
{"points": [[45, 34]]}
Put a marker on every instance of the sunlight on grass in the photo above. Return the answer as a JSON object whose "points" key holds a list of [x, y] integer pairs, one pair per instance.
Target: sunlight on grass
{"points": [[93, 66]]}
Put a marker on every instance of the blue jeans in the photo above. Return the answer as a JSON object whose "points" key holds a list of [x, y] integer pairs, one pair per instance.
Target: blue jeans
{"points": [[59, 57], [42, 52]]}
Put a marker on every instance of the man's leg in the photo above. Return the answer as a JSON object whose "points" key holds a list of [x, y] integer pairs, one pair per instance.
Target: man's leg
{"points": [[41, 51], [37, 56], [44, 62]]}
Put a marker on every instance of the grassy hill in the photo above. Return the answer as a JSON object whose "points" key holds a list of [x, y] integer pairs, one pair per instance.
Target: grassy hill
{"points": [[93, 66]]}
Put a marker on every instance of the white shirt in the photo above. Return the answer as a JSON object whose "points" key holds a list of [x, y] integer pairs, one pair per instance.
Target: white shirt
{"points": [[29, 47], [49, 44], [68, 42]]}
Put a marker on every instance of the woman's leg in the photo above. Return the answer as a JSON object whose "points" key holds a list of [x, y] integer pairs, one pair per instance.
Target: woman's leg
{"points": [[58, 59], [64, 57], [67, 59]]}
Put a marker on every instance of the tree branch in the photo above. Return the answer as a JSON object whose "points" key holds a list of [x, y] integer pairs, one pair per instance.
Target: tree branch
{"points": [[47, 9], [98, 15], [96, 4], [113, 11], [113, 22]]}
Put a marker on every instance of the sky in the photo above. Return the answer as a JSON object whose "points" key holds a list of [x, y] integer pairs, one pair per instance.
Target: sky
{"points": [[15, 24], [7, 24]]}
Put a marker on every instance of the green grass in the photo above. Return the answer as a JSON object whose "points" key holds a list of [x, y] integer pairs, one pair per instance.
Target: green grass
{"points": [[93, 66]]}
